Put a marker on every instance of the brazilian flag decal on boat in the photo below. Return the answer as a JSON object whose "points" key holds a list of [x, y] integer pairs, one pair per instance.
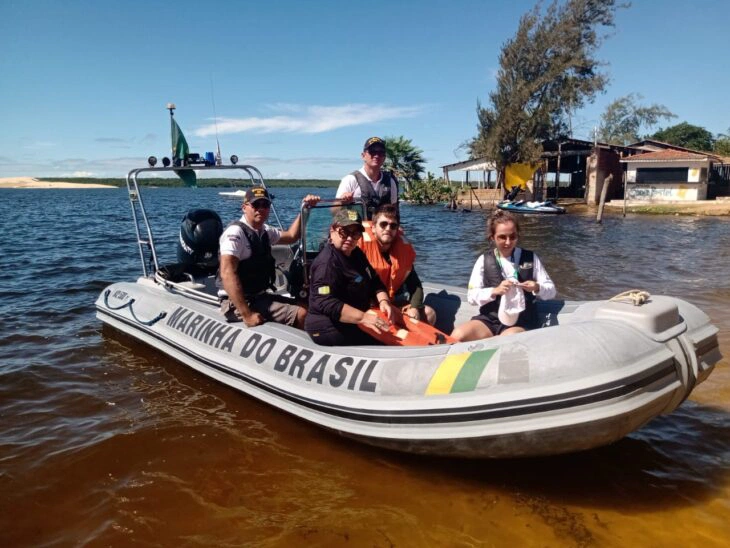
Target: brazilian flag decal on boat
{"points": [[459, 372]]}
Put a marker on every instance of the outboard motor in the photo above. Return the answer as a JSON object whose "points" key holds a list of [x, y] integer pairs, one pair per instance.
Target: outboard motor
{"points": [[197, 246]]}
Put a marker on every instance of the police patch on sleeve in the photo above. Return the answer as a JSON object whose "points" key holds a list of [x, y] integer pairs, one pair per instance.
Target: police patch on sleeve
{"points": [[324, 290]]}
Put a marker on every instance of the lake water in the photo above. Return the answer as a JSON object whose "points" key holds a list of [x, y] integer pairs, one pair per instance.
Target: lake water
{"points": [[104, 441]]}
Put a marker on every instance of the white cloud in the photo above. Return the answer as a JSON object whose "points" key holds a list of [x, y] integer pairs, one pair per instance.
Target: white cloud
{"points": [[309, 119], [83, 174]]}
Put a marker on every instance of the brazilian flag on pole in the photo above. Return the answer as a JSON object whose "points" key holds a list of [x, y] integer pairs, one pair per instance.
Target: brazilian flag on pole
{"points": [[180, 152], [180, 146]]}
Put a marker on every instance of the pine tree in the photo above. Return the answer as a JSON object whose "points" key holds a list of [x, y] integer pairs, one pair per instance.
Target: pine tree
{"points": [[547, 70]]}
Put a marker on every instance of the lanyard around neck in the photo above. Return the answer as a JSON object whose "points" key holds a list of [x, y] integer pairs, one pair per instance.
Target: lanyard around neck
{"points": [[500, 260]]}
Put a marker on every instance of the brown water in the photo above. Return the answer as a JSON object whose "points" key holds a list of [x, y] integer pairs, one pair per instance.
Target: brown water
{"points": [[104, 441]]}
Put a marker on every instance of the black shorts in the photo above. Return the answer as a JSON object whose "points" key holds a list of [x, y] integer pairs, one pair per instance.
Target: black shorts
{"points": [[497, 327]]}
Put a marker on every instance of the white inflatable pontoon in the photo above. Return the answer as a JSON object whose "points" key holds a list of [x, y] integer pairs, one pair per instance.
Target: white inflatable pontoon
{"points": [[595, 372]]}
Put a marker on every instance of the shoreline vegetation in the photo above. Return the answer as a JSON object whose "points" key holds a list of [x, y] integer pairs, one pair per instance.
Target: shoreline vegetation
{"points": [[88, 182], [702, 207]]}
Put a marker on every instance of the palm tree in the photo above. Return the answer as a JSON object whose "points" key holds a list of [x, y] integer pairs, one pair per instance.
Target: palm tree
{"points": [[722, 143], [404, 159]]}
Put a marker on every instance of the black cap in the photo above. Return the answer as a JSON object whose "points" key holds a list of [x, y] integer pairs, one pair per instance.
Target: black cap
{"points": [[256, 193], [372, 142]]}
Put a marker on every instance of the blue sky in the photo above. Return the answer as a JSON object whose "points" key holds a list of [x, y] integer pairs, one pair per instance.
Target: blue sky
{"points": [[298, 86]]}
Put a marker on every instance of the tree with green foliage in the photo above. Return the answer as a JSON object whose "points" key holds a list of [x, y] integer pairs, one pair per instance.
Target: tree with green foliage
{"points": [[546, 70], [687, 136], [431, 190], [404, 159], [722, 144], [624, 117]]}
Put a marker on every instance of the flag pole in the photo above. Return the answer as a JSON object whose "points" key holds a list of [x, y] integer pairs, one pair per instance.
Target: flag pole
{"points": [[171, 108]]}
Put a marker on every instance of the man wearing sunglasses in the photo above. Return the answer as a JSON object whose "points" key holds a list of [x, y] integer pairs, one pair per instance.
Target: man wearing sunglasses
{"points": [[370, 183], [247, 267], [392, 258]]}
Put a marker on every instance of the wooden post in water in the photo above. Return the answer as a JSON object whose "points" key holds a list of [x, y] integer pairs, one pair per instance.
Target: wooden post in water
{"points": [[472, 193], [602, 202], [557, 174]]}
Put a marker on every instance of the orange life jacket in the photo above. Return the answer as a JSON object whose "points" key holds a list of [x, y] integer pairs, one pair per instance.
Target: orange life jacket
{"points": [[402, 256], [412, 333]]}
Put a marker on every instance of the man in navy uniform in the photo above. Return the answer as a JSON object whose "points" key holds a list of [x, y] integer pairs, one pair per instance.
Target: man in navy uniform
{"points": [[247, 266]]}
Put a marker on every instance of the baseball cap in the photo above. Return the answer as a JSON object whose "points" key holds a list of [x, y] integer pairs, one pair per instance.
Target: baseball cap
{"points": [[256, 193], [372, 142], [347, 217]]}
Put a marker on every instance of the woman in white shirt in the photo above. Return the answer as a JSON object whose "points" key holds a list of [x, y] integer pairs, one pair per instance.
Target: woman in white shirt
{"points": [[504, 283]]}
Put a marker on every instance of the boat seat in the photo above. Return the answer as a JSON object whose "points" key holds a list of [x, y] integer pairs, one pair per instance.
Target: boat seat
{"points": [[204, 284], [199, 279], [182, 272]]}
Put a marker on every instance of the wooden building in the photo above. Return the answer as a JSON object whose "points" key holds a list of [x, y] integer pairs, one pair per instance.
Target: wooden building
{"points": [[647, 170], [573, 168]]}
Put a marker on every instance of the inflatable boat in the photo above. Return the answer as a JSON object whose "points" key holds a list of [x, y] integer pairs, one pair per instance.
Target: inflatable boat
{"points": [[593, 373], [521, 206]]}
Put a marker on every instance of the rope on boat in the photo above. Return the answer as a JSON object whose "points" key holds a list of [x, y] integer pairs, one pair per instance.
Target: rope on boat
{"points": [[131, 310], [635, 296]]}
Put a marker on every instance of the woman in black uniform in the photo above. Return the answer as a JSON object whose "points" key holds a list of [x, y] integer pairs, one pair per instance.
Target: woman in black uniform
{"points": [[343, 286]]}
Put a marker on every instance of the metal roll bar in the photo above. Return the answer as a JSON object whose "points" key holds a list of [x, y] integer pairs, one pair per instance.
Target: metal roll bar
{"points": [[142, 226]]}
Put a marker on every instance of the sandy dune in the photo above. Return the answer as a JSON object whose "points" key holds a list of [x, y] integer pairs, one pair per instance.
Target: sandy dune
{"points": [[30, 182]]}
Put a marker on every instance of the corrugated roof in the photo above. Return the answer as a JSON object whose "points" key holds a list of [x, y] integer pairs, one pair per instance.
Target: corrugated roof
{"points": [[658, 144], [668, 155], [478, 164]]}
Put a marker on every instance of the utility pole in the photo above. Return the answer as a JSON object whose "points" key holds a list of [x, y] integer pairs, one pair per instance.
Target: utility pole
{"points": [[557, 174]]}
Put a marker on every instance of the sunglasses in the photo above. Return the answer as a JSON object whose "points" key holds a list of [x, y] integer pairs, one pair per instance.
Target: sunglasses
{"points": [[392, 226], [260, 204], [354, 233], [377, 152]]}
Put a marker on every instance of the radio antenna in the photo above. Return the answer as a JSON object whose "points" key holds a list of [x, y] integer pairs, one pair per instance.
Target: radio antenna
{"points": [[218, 159]]}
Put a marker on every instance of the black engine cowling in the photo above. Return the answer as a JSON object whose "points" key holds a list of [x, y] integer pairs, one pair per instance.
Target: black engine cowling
{"points": [[197, 244]]}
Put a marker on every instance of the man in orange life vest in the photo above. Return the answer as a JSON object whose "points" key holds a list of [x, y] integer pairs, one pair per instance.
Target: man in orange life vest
{"points": [[392, 257]]}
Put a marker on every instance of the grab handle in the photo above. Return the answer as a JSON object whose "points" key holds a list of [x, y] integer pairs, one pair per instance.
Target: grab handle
{"points": [[131, 310]]}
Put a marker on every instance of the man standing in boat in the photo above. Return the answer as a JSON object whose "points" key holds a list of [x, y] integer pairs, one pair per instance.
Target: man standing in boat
{"points": [[247, 266], [370, 183], [392, 256]]}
